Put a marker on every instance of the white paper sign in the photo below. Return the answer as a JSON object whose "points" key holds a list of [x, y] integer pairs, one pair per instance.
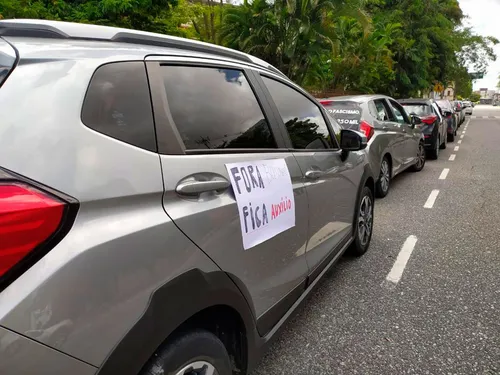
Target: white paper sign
{"points": [[264, 194]]}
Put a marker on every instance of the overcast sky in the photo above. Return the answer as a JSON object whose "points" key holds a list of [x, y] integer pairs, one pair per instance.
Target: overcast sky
{"points": [[484, 17]]}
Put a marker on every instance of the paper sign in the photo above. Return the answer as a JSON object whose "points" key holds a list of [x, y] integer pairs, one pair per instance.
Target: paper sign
{"points": [[264, 195]]}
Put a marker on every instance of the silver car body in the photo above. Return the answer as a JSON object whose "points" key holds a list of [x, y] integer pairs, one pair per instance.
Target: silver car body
{"points": [[394, 135], [139, 259]]}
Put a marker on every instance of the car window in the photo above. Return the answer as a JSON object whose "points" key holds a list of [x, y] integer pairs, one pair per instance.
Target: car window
{"points": [[399, 113], [382, 111], [417, 109], [215, 108], [117, 103], [303, 119], [346, 113]]}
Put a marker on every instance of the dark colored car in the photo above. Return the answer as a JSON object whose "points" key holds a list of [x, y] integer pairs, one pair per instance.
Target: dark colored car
{"points": [[450, 117], [460, 110], [433, 125], [394, 142]]}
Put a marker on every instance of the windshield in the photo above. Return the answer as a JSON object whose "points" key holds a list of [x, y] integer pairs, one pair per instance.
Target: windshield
{"points": [[417, 109]]}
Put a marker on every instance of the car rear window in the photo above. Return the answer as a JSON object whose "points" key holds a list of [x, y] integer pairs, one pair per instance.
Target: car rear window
{"points": [[444, 104], [118, 104], [347, 113], [7, 60], [417, 109]]}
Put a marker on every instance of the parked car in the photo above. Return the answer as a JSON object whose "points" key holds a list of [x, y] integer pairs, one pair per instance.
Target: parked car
{"points": [[468, 107], [460, 109], [433, 124], [394, 143], [133, 205], [450, 116]]}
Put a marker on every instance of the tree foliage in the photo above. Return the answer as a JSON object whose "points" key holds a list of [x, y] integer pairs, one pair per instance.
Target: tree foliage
{"points": [[396, 47]]}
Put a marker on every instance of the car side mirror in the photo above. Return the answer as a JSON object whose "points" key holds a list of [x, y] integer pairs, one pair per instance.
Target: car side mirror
{"points": [[351, 140], [415, 120]]}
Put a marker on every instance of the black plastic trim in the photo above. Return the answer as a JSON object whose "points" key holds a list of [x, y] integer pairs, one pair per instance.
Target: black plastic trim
{"points": [[170, 306], [41, 250], [14, 65], [272, 316]]}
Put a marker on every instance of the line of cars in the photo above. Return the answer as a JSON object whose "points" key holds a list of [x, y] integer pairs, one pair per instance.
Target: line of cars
{"points": [[400, 133], [121, 250]]}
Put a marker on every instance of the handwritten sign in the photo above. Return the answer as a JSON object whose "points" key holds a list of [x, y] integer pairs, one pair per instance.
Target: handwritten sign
{"points": [[264, 195]]}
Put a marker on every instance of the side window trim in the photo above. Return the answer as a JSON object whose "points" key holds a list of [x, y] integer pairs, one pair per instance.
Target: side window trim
{"points": [[388, 110], [282, 124], [399, 107], [168, 137]]}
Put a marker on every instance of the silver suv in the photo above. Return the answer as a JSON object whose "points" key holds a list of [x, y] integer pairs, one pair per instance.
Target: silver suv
{"points": [[165, 205]]}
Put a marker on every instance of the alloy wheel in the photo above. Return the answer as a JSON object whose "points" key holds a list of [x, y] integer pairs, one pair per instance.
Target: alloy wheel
{"points": [[365, 220], [420, 156], [384, 175], [198, 368]]}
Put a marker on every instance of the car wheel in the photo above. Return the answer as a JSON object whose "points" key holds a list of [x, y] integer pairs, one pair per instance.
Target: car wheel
{"points": [[384, 179], [419, 165], [451, 137], [434, 153], [363, 224], [443, 145], [198, 352]]}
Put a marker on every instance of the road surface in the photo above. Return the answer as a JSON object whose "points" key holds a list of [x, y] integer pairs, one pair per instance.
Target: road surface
{"points": [[425, 299]]}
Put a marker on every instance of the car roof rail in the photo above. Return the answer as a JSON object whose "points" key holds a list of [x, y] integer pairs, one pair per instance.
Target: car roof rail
{"points": [[68, 30]]}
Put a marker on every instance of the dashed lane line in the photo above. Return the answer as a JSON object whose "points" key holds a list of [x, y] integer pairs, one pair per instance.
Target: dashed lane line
{"points": [[460, 142], [399, 266], [444, 174], [432, 199], [456, 148], [452, 157]]}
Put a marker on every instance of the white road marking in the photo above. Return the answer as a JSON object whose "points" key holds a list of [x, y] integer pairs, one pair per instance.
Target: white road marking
{"points": [[452, 157], [462, 136], [460, 142], [431, 199], [403, 257], [444, 173], [456, 148]]}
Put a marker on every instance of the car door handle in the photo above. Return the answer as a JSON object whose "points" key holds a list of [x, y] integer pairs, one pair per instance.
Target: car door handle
{"points": [[192, 186], [314, 175], [385, 128]]}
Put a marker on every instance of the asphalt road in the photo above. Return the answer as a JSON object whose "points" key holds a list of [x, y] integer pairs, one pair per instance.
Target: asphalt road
{"points": [[437, 314]]}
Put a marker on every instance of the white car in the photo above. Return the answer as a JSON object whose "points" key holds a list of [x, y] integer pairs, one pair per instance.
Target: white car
{"points": [[468, 108]]}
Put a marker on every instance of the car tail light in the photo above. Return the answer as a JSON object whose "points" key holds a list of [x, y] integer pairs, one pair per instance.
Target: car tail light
{"points": [[325, 101], [429, 120], [367, 129], [30, 219]]}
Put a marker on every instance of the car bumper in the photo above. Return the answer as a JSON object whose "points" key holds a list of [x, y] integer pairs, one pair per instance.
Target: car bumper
{"points": [[21, 355]]}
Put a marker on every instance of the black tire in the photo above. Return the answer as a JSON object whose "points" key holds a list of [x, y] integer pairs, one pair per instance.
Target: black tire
{"points": [[360, 246], [384, 179], [184, 350], [443, 145], [451, 137], [434, 153], [420, 158]]}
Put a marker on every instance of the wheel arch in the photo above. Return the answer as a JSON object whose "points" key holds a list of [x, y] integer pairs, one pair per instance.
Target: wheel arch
{"points": [[178, 305]]}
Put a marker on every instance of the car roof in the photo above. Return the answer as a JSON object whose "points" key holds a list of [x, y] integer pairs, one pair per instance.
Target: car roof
{"points": [[146, 41]]}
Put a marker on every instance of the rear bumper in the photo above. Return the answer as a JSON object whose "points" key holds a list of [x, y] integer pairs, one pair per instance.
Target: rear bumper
{"points": [[20, 355]]}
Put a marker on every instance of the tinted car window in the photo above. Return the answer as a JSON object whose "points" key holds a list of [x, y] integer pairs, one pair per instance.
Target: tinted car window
{"points": [[346, 113], [417, 109], [399, 112], [118, 104], [215, 108], [382, 113], [303, 119]]}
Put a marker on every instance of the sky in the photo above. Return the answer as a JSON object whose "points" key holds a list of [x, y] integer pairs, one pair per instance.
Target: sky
{"points": [[484, 17]]}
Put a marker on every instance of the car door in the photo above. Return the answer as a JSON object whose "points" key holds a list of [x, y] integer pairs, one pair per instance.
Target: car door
{"points": [[442, 122], [329, 180], [410, 144], [209, 114], [397, 150]]}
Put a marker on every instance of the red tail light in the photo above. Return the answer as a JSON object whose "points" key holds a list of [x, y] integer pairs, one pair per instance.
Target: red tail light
{"points": [[325, 101], [28, 217], [429, 120], [367, 129]]}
